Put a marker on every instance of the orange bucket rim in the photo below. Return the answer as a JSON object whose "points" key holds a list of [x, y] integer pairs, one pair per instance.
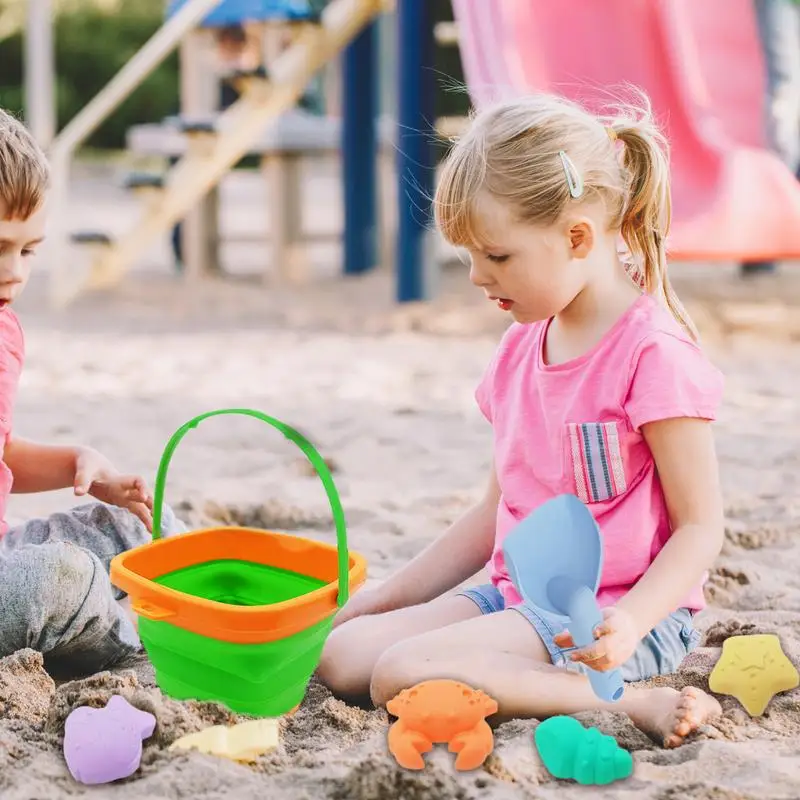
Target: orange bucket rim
{"points": [[175, 603]]}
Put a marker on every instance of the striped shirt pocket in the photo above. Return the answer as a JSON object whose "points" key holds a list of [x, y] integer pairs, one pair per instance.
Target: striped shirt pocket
{"points": [[595, 457]]}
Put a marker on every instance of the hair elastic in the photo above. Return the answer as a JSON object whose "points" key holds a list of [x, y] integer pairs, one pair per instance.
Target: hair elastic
{"points": [[611, 133], [574, 180]]}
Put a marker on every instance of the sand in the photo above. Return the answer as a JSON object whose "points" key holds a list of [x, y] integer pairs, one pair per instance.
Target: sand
{"points": [[387, 397]]}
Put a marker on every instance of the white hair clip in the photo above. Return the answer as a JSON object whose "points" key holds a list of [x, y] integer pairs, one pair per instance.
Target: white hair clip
{"points": [[574, 180]]}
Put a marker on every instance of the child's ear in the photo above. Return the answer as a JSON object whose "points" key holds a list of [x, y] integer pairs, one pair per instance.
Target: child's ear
{"points": [[581, 238]]}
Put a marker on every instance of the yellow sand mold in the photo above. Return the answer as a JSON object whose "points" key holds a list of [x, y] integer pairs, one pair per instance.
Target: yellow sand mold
{"points": [[244, 742], [753, 669]]}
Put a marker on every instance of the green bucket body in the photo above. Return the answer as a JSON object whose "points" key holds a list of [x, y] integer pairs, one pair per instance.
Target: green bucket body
{"points": [[265, 679]]}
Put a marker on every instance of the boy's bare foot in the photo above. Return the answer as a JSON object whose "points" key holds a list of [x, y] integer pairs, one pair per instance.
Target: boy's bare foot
{"points": [[670, 716]]}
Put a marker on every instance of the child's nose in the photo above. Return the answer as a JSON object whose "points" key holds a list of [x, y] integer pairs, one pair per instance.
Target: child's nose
{"points": [[11, 269], [477, 277]]}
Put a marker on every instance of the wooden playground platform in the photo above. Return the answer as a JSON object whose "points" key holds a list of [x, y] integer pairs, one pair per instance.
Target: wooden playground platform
{"points": [[248, 216]]}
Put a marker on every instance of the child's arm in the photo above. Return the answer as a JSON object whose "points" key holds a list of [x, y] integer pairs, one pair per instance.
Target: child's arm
{"points": [[683, 450], [461, 551], [40, 467], [44, 468], [685, 457]]}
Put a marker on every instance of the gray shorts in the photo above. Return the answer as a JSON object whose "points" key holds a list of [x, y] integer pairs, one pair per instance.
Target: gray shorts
{"points": [[659, 653], [55, 595]]}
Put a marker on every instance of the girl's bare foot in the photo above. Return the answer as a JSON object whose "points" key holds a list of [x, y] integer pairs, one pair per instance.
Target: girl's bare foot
{"points": [[670, 716]]}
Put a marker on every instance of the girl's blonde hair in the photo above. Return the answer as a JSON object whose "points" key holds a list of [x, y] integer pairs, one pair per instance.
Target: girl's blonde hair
{"points": [[529, 153]]}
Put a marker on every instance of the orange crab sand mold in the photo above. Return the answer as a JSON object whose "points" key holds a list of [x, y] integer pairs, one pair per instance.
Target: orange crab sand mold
{"points": [[439, 711]]}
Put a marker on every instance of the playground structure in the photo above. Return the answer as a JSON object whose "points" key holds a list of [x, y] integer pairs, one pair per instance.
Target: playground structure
{"points": [[212, 149], [699, 63], [281, 147]]}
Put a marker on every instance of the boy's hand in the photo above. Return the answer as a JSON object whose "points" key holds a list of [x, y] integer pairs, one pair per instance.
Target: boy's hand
{"points": [[616, 639], [95, 475]]}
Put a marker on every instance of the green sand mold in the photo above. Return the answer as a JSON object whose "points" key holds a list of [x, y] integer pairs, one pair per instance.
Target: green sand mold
{"points": [[570, 751], [263, 679]]}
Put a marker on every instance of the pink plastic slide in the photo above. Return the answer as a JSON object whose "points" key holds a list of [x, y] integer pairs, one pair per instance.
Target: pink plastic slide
{"points": [[701, 65]]}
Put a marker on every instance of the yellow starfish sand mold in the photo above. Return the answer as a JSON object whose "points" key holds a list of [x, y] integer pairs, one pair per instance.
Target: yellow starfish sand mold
{"points": [[244, 742], [753, 669]]}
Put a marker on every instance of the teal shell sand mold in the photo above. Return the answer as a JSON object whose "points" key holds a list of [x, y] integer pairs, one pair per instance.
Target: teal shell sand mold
{"points": [[572, 752]]}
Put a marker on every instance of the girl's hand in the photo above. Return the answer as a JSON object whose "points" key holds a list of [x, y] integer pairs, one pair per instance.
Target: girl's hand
{"points": [[361, 604], [616, 639], [95, 475]]}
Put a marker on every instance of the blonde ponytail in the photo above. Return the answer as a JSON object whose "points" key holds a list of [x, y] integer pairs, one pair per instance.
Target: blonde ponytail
{"points": [[647, 216], [511, 150]]}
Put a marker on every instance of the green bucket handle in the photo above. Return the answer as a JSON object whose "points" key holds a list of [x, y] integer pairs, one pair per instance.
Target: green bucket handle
{"points": [[311, 454]]}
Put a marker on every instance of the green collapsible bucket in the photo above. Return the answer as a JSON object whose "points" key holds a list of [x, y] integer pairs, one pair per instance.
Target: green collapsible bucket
{"points": [[238, 615]]}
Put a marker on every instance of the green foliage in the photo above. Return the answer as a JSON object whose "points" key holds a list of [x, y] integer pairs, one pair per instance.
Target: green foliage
{"points": [[92, 45]]}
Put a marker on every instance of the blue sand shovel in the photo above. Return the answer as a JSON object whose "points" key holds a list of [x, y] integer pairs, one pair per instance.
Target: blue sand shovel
{"points": [[554, 558]]}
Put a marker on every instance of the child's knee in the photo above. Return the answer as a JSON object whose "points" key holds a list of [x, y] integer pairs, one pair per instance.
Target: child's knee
{"points": [[50, 574], [398, 668], [42, 589], [337, 668], [57, 599]]}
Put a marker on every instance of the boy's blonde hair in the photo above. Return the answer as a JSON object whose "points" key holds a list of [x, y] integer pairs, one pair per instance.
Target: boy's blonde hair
{"points": [[513, 151], [24, 172]]}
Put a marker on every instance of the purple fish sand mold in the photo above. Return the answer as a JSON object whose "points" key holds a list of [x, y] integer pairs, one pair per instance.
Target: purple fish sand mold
{"points": [[105, 744]]}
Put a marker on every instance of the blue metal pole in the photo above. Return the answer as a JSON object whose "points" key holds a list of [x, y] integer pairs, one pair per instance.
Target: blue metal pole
{"points": [[359, 152], [415, 160]]}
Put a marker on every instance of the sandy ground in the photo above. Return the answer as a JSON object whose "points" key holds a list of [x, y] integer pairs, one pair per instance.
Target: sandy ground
{"points": [[386, 394]]}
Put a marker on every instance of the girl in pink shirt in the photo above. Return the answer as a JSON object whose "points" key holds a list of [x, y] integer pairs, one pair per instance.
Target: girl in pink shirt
{"points": [[598, 389]]}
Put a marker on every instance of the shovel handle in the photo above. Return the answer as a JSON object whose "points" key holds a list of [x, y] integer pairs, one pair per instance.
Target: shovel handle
{"points": [[585, 616], [607, 685]]}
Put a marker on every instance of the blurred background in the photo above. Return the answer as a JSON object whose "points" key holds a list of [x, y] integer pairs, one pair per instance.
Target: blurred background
{"points": [[240, 217], [131, 92]]}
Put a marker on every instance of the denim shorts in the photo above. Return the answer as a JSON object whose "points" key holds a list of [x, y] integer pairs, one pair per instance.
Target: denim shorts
{"points": [[658, 653]]}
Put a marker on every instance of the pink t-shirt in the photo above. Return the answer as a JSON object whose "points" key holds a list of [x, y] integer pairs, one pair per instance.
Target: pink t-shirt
{"points": [[576, 428], [12, 356]]}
